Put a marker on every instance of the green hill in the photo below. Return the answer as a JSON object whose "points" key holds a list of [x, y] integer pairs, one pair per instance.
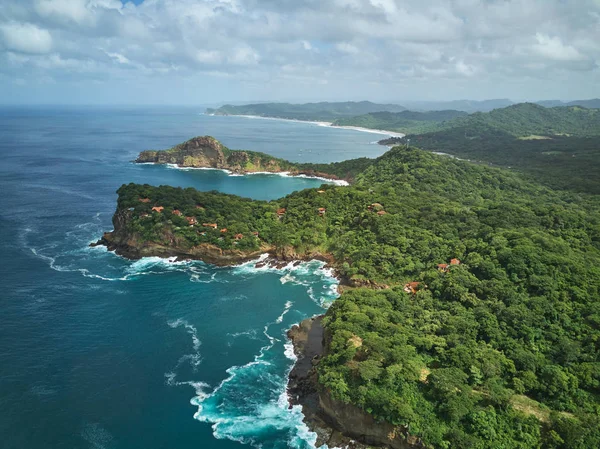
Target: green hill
{"points": [[323, 111], [528, 119], [519, 120], [404, 122], [593, 103], [500, 350]]}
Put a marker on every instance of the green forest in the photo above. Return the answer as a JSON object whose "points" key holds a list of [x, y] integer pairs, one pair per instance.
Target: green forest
{"points": [[404, 122], [501, 349], [561, 162], [519, 120], [323, 111]]}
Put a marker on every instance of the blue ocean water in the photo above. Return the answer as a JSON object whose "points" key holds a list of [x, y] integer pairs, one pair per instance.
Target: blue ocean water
{"points": [[100, 352]]}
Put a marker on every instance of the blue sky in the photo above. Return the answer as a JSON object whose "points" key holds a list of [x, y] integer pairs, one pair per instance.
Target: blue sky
{"points": [[212, 51]]}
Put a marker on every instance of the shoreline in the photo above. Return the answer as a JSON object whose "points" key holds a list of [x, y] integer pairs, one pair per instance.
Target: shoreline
{"points": [[283, 174], [263, 258], [335, 423], [319, 123]]}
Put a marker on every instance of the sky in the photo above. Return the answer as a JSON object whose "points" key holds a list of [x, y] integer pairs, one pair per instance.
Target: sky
{"points": [[216, 51]]}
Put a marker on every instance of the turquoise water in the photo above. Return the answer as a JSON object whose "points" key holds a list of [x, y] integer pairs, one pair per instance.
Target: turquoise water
{"points": [[100, 352]]}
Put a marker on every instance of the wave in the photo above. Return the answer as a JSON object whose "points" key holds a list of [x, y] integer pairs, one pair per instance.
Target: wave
{"points": [[251, 405], [194, 359]]}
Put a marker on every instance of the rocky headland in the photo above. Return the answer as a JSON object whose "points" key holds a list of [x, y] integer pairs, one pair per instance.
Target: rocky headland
{"points": [[336, 423], [208, 152]]}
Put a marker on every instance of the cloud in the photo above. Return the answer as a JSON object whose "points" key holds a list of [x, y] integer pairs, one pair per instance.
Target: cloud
{"points": [[353, 48], [553, 48], [26, 38]]}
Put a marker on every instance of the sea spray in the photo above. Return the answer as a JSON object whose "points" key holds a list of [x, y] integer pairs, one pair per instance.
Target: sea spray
{"points": [[251, 405]]}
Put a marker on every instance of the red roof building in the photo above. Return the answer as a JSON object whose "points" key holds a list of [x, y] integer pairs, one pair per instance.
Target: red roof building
{"points": [[158, 209], [177, 212], [411, 287]]}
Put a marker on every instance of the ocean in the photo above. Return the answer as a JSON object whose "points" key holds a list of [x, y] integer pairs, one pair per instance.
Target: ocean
{"points": [[104, 353]]}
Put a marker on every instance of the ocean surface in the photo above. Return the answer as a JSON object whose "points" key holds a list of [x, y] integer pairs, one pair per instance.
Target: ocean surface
{"points": [[103, 353]]}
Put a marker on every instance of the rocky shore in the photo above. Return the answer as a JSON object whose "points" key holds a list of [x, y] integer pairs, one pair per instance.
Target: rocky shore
{"points": [[336, 424]]}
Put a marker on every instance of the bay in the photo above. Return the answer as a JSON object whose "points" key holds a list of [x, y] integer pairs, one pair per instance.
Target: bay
{"points": [[100, 352]]}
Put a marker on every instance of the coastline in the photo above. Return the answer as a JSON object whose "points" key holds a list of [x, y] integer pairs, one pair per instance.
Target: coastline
{"points": [[336, 424], [319, 123], [285, 174]]}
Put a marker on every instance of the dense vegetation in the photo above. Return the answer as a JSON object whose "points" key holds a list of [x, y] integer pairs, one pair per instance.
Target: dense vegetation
{"points": [[404, 122], [594, 103], [502, 350], [469, 106], [519, 120], [323, 111], [560, 162]]}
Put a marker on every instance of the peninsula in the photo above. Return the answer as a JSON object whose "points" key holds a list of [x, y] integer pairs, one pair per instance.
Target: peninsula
{"points": [[208, 152], [469, 313]]}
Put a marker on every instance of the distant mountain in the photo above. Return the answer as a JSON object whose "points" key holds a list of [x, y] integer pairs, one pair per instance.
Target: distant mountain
{"points": [[323, 111], [594, 103], [404, 122], [459, 105]]}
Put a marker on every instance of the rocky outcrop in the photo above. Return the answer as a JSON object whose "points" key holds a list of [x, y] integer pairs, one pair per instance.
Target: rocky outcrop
{"points": [[336, 423], [198, 152]]}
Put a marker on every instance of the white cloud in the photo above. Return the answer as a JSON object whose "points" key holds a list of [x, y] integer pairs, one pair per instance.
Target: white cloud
{"points": [[74, 10], [366, 47], [244, 55], [118, 57], [207, 56], [553, 48], [26, 38]]}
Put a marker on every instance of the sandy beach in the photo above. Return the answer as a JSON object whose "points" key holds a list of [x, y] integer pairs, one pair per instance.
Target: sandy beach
{"points": [[330, 124]]}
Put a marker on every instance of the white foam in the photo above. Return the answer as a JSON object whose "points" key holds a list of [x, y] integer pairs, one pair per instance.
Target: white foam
{"points": [[288, 305], [289, 351], [285, 174], [190, 329], [177, 167]]}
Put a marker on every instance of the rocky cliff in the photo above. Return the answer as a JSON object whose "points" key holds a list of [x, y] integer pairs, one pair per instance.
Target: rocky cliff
{"points": [[336, 424]]}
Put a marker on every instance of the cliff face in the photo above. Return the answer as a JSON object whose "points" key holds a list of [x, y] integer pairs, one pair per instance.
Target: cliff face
{"points": [[336, 423], [197, 152]]}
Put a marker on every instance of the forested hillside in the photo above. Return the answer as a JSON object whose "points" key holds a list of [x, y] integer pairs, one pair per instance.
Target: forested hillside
{"points": [[528, 119], [499, 348], [404, 122], [519, 120], [323, 111], [571, 163]]}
